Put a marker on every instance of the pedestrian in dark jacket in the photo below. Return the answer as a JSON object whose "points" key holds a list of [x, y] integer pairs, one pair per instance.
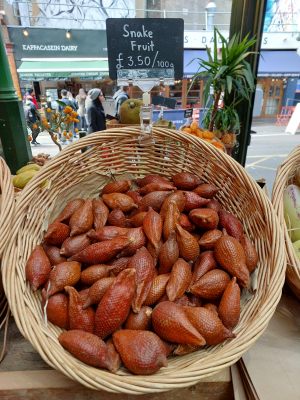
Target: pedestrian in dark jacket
{"points": [[95, 111]]}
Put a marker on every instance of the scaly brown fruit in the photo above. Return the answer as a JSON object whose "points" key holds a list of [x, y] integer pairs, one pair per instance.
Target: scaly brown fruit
{"points": [[113, 356], [107, 233], [193, 200], [137, 240], [143, 264], [204, 218], [204, 263], [138, 219], [87, 348], [151, 178], [57, 233], [232, 225], [209, 239], [100, 213], [142, 352], [103, 251], [116, 187], [64, 274], [186, 180], [53, 253], [136, 197], [38, 268], [97, 291], [168, 255], [156, 187], [206, 190], [178, 198], [82, 219], [211, 285], [152, 226], [118, 265], [69, 209], [188, 245], [75, 244], [158, 289], [185, 223], [139, 321], [57, 309], [117, 218], [214, 205], [250, 253], [154, 251], [79, 318], [229, 308], [230, 254], [180, 279], [170, 322], [93, 273], [208, 325], [115, 305], [171, 219], [154, 200], [120, 201]]}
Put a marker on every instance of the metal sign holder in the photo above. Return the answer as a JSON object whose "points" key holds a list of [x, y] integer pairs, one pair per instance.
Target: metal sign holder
{"points": [[146, 79]]}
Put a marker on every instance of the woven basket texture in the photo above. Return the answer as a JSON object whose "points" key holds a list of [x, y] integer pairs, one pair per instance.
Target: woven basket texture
{"points": [[120, 152], [7, 202], [284, 177]]}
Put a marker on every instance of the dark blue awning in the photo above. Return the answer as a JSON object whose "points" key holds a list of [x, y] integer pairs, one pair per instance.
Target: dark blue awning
{"points": [[271, 63], [280, 63]]}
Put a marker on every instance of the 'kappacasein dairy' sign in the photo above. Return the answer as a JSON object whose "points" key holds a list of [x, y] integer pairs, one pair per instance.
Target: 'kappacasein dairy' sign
{"points": [[41, 47], [53, 43]]}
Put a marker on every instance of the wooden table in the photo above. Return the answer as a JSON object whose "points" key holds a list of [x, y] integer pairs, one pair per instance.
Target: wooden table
{"points": [[24, 375]]}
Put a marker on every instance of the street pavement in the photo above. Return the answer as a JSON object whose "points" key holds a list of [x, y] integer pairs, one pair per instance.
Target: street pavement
{"points": [[269, 147]]}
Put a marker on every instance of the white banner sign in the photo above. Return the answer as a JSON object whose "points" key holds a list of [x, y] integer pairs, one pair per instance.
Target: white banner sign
{"points": [[201, 39]]}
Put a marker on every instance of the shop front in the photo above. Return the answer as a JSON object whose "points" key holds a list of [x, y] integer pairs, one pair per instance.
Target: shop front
{"points": [[53, 59]]}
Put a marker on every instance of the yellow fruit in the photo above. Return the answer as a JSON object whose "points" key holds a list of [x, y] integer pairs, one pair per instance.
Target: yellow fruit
{"points": [[208, 135], [29, 137], [48, 110], [70, 134], [20, 180], [76, 129], [28, 167], [65, 133], [187, 130]]}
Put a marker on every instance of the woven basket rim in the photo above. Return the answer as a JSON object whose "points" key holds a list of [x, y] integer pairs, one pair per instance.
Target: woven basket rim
{"points": [[7, 204], [190, 368], [282, 180]]}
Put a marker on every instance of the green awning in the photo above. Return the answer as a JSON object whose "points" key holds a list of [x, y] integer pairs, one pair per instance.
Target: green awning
{"points": [[66, 69]]}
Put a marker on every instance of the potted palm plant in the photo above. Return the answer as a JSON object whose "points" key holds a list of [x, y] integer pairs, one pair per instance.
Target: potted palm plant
{"points": [[229, 80]]}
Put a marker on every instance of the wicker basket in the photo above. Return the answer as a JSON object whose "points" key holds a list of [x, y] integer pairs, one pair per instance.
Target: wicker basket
{"points": [[6, 213], [119, 151], [284, 177]]}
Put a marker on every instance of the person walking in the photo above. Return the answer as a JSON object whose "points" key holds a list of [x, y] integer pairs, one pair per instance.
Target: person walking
{"points": [[95, 111], [66, 100], [29, 93], [81, 98], [120, 96], [32, 118]]}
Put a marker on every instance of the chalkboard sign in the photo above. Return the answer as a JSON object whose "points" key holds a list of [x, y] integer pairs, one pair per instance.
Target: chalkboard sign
{"points": [[145, 44]]}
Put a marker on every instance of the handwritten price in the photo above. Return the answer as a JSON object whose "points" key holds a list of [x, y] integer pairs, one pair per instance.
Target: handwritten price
{"points": [[142, 61]]}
